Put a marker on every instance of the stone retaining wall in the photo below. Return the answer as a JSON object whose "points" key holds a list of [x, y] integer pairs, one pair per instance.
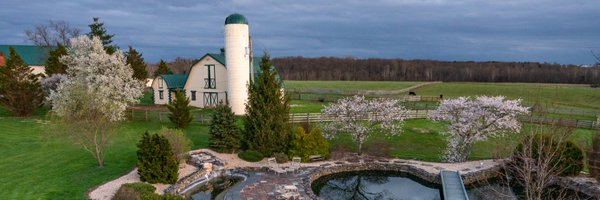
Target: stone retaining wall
{"points": [[186, 181]]}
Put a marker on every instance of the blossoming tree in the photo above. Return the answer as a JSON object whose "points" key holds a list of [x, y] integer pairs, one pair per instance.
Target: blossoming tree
{"points": [[362, 118], [98, 88], [476, 119]]}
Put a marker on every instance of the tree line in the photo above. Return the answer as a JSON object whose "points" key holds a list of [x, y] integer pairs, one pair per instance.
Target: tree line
{"points": [[376, 69]]}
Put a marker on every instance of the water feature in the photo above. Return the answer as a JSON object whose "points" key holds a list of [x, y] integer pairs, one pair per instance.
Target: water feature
{"points": [[214, 188], [375, 185], [395, 185]]}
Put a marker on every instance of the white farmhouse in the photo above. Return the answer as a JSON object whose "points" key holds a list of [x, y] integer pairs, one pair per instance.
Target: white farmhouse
{"points": [[216, 77]]}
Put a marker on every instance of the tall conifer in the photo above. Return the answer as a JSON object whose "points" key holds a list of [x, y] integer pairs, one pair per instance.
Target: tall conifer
{"points": [[20, 91], [180, 109], [53, 64], [225, 135], [97, 29], [156, 161], [267, 113], [136, 61], [162, 69]]}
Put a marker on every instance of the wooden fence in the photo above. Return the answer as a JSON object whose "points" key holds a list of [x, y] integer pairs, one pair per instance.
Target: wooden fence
{"points": [[204, 118], [335, 98]]}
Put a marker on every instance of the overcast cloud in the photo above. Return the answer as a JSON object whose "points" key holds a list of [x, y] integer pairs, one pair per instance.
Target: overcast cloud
{"points": [[562, 31]]}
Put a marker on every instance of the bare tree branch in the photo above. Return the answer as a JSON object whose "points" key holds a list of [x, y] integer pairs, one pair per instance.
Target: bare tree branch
{"points": [[55, 32]]}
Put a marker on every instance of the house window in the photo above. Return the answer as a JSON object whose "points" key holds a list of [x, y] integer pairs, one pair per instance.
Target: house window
{"points": [[160, 83], [193, 95], [161, 95], [211, 99], [210, 82]]}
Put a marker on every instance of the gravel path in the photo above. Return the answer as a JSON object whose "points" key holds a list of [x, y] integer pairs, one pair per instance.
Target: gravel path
{"points": [[107, 191]]}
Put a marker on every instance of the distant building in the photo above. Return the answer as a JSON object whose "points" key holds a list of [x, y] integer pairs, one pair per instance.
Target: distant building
{"points": [[33, 56], [216, 77]]}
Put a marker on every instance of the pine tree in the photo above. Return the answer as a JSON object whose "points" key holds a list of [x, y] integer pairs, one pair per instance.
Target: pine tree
{"points": [[136, 61], [267, 113], [156, 161], [97, 29], [20, 91], [162, 69], [180, 109], [53, 64], [225, 135]]}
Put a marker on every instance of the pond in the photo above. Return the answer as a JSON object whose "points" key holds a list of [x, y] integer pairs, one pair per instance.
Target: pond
{"points": [[393, 185], [214, 189]]}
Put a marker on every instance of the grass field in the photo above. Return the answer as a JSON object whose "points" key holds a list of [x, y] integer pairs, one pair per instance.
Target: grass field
{"points": [[429, 146], [36, 165], [554, 95], [348, 85]]}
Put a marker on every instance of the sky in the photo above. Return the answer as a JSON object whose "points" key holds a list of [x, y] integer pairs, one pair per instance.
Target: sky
{"points": [[554, 31]]}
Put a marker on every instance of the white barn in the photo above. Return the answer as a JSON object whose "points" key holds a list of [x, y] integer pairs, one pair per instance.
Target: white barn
{"points": [[216, 77]]}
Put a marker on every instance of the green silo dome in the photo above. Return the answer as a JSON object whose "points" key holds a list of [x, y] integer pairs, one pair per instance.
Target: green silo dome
{"points": [[236, 18]]}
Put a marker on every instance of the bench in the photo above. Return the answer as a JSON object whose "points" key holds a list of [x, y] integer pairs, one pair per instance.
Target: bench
{"points": [[314, 158]]}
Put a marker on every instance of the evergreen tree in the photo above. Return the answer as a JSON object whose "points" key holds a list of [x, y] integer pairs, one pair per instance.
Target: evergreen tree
{"points": [[53, 64], [97, 29], [267, 113], [20, 91], [162, 69], [156, 161], [180, 109], [136, 61], [225, 135]]}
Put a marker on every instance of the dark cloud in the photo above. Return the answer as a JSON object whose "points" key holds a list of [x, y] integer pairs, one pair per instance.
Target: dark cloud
{"points": [[534, 30]]}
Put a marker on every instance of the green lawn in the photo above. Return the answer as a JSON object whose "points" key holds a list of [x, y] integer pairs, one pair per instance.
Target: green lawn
{"points": [[553, 95], [348, 85], [429, 146], [36, 165]]}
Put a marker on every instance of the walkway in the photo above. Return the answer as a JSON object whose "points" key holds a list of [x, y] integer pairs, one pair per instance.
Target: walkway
{"points": [[453, 186]]}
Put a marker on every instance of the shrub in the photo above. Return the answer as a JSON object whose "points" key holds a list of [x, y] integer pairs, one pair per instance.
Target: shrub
{"points": [[130, 191], [594, 158], [568, 159], [572, 159], [180, 144], [225, 135], [180, 110], [251, 156], [306, 144], [281, 158], [156, 161]]}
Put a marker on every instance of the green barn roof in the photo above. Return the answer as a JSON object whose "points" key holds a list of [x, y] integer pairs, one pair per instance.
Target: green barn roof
{"points": [[32, 55], [236, 18], [175, 81]]}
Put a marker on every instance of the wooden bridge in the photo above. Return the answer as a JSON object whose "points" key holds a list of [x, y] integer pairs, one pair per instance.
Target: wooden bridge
{"points": [[453, 186]]}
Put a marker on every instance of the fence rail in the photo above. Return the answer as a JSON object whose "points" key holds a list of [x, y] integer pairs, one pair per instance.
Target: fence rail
{"points": [[204, 118], [335, 97]]}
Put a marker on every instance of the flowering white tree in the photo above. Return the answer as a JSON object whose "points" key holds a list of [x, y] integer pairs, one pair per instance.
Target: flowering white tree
{"points": [[95, 94], [476, 120], [361, 118]]}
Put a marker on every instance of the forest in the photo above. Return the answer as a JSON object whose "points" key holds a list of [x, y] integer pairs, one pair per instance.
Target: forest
{"points": [[375, 69]]}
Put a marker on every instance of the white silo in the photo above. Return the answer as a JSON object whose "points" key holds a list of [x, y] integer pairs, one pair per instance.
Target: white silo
{"points": [[237, 61]]}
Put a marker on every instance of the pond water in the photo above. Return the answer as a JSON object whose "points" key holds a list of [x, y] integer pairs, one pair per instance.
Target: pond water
{"points": [[394, 185], [215, 188], [375, 185]]}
